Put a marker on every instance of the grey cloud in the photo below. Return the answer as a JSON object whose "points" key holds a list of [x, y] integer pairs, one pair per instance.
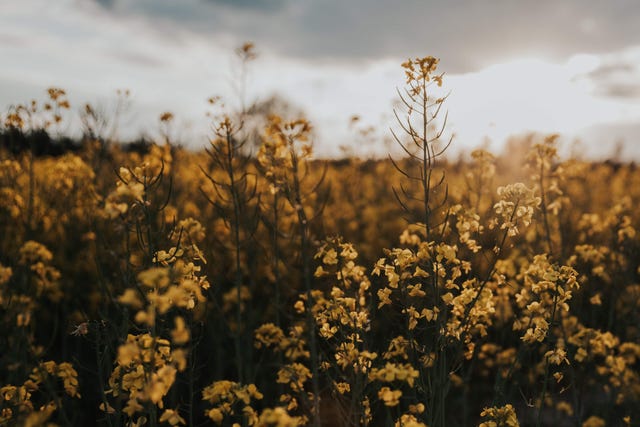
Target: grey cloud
{"points": [[258, 5], [136, 58], [609, 69], [620, 90], [466, 34], [106, 3], [13, 40], [617, 77]]}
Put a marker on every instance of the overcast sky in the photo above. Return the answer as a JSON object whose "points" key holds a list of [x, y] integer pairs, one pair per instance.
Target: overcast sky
{"points": [[568, 66]]}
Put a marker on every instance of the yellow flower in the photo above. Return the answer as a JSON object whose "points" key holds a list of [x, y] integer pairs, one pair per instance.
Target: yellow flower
{"points": [[278, 417], [132, 407], [69, 377], [594, 421], [299, 306], [172, 417], [556, 356], [389, 397], [383, 295], [596, 299], [330, 257], [131, 298], [108, 409], [295, 375], [216, 415], [180, 334], [416, 291], [504, 416], [565, 407], [417, 409], [342, 387], [161, 382], [408, 420], [156, 277]]}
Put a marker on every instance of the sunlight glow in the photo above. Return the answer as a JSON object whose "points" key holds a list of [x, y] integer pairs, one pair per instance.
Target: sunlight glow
{"points": [[527, 94]]}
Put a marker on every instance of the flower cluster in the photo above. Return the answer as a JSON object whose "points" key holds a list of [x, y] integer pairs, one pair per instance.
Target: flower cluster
{"points": [[516, 206], [231, 399], [17, 402], [546, 292], [504, 416]]}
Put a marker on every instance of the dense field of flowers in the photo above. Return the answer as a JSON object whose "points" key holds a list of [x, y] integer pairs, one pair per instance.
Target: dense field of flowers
{"points": [[161, 286]]}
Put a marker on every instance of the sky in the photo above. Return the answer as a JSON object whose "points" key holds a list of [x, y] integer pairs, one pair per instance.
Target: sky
{"points": [[511, 66]]}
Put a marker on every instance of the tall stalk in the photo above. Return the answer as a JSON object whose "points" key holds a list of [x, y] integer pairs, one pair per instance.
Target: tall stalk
{"points": [[284, 157], [420, 146], [295, 196], [234, 196]]}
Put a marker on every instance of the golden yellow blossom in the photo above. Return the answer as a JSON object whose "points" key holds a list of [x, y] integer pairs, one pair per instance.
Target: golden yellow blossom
{"points": [[389, 397], [504, 416]]}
